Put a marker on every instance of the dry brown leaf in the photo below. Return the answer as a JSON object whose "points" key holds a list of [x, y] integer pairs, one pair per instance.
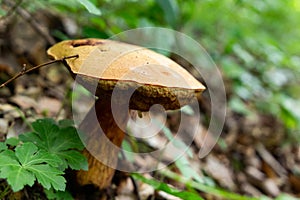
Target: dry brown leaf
{"points": [[270, 160], [9, 112], [49, 105], [295, 182], [25, 102], [270, 187], [220, 172], [250, 190], [255, 175], [125, 190], [3, 126], [145, 190]]}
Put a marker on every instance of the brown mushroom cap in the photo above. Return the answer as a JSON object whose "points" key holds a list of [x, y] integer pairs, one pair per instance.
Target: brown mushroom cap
{"points": [[155, 78]]}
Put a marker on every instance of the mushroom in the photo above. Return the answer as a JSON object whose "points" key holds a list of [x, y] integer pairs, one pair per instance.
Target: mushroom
{"points": [[136, 77]]}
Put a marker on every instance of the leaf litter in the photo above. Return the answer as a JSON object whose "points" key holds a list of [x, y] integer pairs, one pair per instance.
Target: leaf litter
{"points": [[251, 161]]}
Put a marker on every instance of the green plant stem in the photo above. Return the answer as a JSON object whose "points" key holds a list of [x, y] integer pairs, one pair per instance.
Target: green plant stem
{"points": [[204, 188], [5, 192]]}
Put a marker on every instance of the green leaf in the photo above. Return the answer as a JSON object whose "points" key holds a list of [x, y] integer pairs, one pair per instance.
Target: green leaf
{"points": [[49, 176], [2, 146], [74, 159], [44, 157], [61, 143], [127, 148], [32, 137], [15, 174], [90, 7], [171, 11], [68, 139], [65, 123], [243, 54], [205, 188], [286, 197], [239, 106], [232, 69], [164, 187], [45, 132], [186, 170], [8, 153], [2, 12], [26, 152], [28, 164], [58, 195], [177, 143], [33, 162], [12, 141]]}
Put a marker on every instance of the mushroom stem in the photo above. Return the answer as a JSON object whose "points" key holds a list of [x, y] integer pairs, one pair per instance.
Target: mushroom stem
{"points": [[100, 174]]}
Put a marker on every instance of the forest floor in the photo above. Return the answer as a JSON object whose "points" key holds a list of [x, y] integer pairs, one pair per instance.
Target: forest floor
{"points": [[254, 156]]}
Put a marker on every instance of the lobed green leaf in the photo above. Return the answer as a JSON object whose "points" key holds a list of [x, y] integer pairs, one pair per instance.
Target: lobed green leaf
{"points": [[27, 164], [60, 142], [17, 176], [49, 176], [2, 146]]}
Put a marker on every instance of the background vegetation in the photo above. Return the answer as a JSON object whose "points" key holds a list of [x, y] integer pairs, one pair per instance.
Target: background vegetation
{"points": [[255, 44]]}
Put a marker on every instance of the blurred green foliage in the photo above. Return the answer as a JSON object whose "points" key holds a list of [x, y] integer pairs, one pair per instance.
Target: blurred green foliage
{"points": [[253, 42]]}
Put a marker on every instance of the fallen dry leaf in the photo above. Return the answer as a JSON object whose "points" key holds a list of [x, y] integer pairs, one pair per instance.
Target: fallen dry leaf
{"points": [[49, 105], [220, 172], [24, 102]]}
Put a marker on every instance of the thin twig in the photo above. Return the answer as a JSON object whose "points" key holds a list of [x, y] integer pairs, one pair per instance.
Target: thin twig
{"points": [[24, 71]]}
